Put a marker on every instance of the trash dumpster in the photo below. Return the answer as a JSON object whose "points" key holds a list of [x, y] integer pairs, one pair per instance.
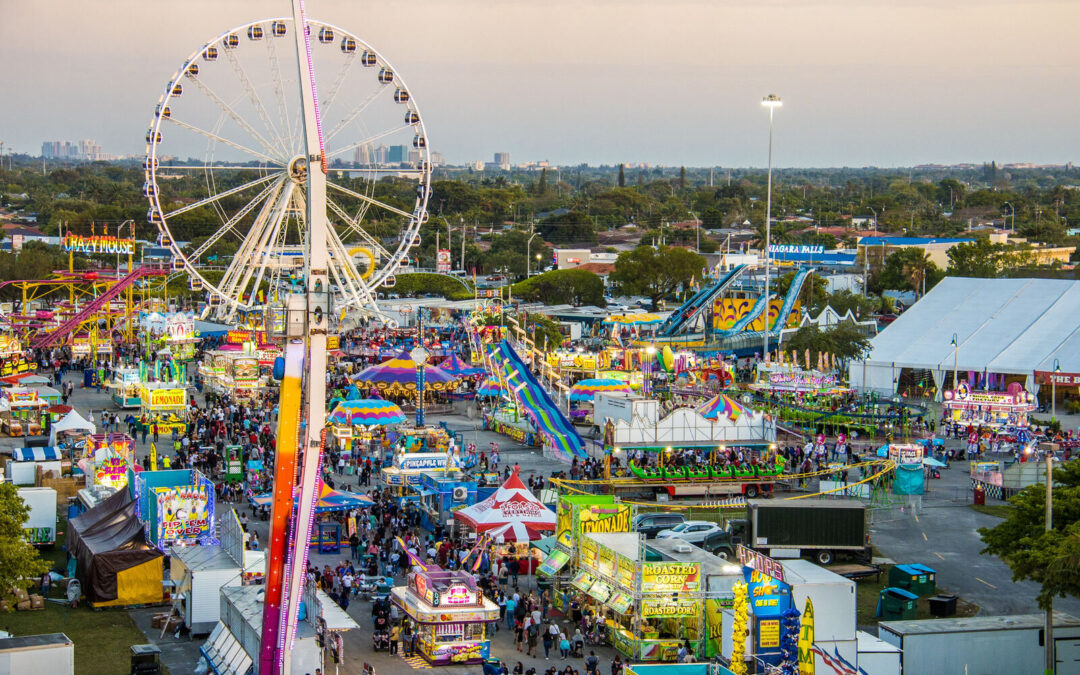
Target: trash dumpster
{"points": [[942, 605], [919, 579], [979, 496], [896, 603]]}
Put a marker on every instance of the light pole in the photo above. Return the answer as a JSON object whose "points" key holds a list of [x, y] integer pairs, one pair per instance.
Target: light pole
{"points": [[772, 102], [528, 247], [697, 232], [646, 369], [955, 357], [419, 356], [1053, 390], [1013, 209]]}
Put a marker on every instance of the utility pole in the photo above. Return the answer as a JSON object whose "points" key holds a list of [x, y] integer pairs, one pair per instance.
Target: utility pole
{"points": [[1051, 659]]}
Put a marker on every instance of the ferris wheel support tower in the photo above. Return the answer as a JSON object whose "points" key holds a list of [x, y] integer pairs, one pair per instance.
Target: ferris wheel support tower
{"points": [[275, 656]]}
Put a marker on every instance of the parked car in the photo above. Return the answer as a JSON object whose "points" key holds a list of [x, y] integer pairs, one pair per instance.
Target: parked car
{"points": [[693, 531], [650, 524]]}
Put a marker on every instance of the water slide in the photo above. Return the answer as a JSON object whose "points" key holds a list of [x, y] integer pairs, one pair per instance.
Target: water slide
{"points": [[95, 306], [536, 402], [699, 301], [789, 299], [741, 324]]}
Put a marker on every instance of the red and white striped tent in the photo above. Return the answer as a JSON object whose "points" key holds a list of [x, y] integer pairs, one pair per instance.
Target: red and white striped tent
{"points": [[511, 503], [514, 533]]}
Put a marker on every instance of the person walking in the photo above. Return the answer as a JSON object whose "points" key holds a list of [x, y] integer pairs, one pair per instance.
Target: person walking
{"points": [[548, 641], [395, 633]]}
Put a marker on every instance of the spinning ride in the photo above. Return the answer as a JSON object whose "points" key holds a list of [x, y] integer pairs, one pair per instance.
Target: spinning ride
{"points": [[230, 127]]}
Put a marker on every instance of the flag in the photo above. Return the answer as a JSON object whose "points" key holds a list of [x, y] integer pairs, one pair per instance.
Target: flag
{"points": [[412, 558]]}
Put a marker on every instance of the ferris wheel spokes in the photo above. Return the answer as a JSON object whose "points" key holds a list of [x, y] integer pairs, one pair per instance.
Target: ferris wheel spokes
{"points": [[254, 98], [221, 195], [371, 241], [230, 224], [234, 116], [351, 117], [225, 141], [370, 200]]}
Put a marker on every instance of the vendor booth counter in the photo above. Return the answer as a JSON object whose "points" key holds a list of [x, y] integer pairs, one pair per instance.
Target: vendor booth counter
{"points": [[449, 615]]}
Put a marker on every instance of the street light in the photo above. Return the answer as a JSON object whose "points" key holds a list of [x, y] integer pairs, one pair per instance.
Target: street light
{"points": [[955, 357], [419, 355], [772, 102], [647, 369], [1006, 216], [528, 246]]}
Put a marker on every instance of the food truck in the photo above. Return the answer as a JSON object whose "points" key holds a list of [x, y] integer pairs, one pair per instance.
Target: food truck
{"points": [[448, 613]]}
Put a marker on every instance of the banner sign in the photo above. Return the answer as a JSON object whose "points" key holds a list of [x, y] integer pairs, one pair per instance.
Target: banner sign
{"points": [[442, 261], [77, 243], [670, 577], [760, 562], [796, 248], [184, 513], [604, 518], [111, 471], [807, 662], [668, 608], [423, 461], [166, 398], [1049, 377]]}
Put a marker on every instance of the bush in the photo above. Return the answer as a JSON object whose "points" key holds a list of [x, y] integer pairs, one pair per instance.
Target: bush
{"points": [[439, 284]]}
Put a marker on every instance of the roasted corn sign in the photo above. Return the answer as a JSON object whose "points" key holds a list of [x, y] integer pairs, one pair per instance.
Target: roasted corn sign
{"points": [[670, 577]]}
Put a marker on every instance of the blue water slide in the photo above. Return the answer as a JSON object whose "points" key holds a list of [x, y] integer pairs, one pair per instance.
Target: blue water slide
{"points": [[789, 299], [699, 301], [537, 403], [747, 318]]}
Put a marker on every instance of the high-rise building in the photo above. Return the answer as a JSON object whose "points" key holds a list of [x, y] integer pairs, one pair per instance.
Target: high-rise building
{"points": [[362, 155], [502, 160], [381, 154], [397, 154], [86, 149]]}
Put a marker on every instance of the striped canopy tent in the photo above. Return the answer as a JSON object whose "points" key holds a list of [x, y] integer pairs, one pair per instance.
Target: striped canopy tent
{"points": [[586, 390], [490, 387], [398, 376], [640, 319], [329, 500], [511, 503], [366, 412], [721, 404], [458, 368], [515, 532]]}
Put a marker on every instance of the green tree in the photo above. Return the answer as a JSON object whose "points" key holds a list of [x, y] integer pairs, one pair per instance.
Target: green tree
{"points": [[682, 178], [622, 176], [985, 260], [574, 287], [1032, 553], [844, 341], [656, 272], [20, 563], [909, 269], [543, 330]]}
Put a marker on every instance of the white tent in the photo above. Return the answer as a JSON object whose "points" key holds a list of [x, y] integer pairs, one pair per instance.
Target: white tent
{"points": [[511, 503], [1002, 326], [72, 421]]}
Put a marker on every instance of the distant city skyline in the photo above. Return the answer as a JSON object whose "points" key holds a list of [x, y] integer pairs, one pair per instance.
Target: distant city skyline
{"points": [[868, 83]]}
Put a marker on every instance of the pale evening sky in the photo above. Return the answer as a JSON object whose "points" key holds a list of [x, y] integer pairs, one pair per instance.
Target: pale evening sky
{"points": [[864, 82]]}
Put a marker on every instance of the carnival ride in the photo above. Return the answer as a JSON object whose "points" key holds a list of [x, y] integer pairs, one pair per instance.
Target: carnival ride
{"points": [[681, 318], [232, 103]]}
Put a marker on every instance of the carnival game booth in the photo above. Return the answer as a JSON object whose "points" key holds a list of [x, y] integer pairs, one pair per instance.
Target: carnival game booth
{"points": [[449, 615], [166, 406], [22, 412], [515, 506], [177, 506], [441, 496], [997, 410], [361, 420], [22, 468], [115, 564]]}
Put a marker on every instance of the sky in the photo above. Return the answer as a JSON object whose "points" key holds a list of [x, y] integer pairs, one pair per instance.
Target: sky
{"points": [[667, 82]]}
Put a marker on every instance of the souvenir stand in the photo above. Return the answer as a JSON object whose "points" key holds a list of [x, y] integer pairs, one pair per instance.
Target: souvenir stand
{"points": [[166, 406], [449, 614], [999, 410], [22, 412]]}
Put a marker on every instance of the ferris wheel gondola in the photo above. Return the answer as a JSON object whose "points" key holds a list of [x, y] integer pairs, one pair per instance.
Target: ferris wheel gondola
{"points": [[225, 173]]}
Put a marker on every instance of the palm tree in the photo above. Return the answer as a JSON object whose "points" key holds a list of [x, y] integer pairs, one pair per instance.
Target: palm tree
{"points": [[780, 234], [916, 269]]}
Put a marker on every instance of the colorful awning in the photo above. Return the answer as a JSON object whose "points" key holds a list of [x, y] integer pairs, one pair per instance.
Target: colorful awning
{"points": [[586, 390], [367, 412]]}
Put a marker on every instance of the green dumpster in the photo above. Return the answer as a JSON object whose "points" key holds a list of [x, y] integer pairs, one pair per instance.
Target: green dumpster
{"points": [[896, 603], [919, 579]]}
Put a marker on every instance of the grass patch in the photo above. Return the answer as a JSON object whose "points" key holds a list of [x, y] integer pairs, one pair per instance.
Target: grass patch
{"points": [[866, 598], [996, 510], [102, 638]]}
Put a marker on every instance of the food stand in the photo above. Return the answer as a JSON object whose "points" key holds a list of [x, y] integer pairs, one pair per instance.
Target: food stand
{"points": [[22, 412], [994, 409], [449, 614], [126, 388], [165, 405]]}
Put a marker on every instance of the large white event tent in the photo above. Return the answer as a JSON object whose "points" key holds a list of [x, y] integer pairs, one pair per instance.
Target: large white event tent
{"points": [[1011, 329]]}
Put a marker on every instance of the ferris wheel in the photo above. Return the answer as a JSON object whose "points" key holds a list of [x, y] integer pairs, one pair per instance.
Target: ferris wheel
{"points": [[225, 168]]}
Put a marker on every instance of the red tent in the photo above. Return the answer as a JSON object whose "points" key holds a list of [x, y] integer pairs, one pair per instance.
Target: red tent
{"points": [[511, 503]]}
